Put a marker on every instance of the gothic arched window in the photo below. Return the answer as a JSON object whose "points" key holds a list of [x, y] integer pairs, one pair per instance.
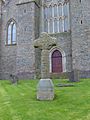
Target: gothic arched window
{"points": [[11, 33], [56, 16]]}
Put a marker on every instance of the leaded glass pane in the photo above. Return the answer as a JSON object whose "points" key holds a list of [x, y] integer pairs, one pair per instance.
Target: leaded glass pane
{"points": [[46, 26], [60, 10], [65, 24], [60, 25], [45, 12], [55, 26], [50, 11], [9, 33], [51, 26], [14, 33], [55, 11], [65, 10]]}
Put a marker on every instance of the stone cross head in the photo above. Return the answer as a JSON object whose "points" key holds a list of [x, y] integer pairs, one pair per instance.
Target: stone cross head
{"points": [[45, 42]]}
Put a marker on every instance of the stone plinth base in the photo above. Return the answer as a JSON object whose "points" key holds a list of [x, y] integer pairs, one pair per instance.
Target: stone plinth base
{"points": [[45, 89]]}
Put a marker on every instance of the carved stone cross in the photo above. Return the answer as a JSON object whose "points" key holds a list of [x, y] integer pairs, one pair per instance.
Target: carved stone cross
{"points": [[45, 89], [45, 43]]}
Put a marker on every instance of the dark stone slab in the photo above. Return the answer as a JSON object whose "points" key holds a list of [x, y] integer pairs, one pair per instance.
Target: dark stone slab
{"points": [[73, 76], [65, 85]]}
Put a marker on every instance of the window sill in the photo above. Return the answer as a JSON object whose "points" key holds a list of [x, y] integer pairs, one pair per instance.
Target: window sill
{"points": [[61, 33], [11, 44]]}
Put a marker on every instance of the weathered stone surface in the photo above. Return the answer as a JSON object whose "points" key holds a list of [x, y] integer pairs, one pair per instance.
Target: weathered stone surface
{"points": [[22, 58], [44, 64], [27, 1], [45, 90], [45, 43], [73, 76], [80, 27]]}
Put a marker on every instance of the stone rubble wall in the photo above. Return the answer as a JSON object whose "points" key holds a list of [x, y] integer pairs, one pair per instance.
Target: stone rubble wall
{"points": [[23, 59]]}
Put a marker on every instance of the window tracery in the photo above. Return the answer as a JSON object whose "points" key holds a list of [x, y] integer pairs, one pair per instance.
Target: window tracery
{"points": [[56, 16]]}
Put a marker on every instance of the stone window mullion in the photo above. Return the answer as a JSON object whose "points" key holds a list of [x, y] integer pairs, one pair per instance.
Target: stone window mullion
{"points": [[68, 16], [9, 34], [58, 17], [48, 26], [53, 17], [63, 17], [42, 19], [12, 33]]}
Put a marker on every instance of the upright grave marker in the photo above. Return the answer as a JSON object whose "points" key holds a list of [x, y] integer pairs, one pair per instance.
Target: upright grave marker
{"points": [[45, 89], [73, 75]]}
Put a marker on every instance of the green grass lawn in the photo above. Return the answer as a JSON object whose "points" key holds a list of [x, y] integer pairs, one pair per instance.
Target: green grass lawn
{"points": [[18, 102]]}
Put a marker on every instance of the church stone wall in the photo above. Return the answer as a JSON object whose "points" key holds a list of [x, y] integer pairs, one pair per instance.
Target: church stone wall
{"points": [[8, 53], [28, 31], [80, 24], [22, 59], [19, 59]]}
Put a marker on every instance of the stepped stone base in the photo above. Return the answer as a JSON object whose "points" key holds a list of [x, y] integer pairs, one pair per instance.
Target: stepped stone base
{"points": [[45, 89]]}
